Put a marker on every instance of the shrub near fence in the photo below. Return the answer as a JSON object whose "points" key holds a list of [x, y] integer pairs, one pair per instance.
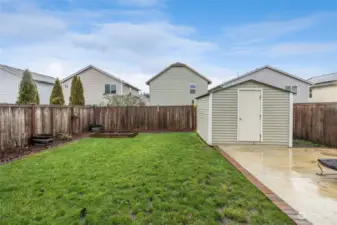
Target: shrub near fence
{"points": [[19, 122], [316, 122]]}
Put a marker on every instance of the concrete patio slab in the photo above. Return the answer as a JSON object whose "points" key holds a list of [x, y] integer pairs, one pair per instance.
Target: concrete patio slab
{"points": [[291, 174]]}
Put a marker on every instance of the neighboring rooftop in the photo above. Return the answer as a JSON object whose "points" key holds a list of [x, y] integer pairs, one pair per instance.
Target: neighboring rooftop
{"points": [[36, 76], [178, 64], [327, 78], [235, 84], [256, 70], [102, 71]]}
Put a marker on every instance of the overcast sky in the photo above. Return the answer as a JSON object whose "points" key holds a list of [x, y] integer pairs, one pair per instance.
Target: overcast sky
{"points": [[135, 39]]}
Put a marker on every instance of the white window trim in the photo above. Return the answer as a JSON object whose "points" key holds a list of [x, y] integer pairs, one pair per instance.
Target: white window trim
{"points": [[110, 89], [291, 88], [291, 108], [238, 112], [193, 88], [297, 89], [210, 119]]}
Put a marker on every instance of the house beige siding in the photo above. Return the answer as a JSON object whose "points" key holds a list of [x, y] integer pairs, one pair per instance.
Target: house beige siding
{"points": [[173, 87], [94, 86], [202, 117], [275, 111], [324, 94], [127, 89]]}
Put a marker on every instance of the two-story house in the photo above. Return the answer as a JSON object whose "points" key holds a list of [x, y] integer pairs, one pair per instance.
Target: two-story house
{"points": [[277, 78], [97, 83], [324, 88], [177, 84]]}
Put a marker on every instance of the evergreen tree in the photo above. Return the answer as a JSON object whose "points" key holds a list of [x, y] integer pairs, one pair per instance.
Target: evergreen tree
{"points": [[79, 93], [28, 93], [37, 96], [56, 97], [72, 98]]}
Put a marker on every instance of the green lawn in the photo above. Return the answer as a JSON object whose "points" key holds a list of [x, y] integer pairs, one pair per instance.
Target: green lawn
{"points": [[169, 178]]}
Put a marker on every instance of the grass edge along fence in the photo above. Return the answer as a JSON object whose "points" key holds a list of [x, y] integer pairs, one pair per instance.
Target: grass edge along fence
{"points": [[316, 122], [19, 122]]}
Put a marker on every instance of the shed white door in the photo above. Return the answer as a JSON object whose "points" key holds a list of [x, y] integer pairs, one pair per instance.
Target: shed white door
{"points": [[249, 114]]}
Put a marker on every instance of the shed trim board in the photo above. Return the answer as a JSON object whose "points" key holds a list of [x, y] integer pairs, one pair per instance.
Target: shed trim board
{"points": [[261, 113], [291, 108], [210, 116]]}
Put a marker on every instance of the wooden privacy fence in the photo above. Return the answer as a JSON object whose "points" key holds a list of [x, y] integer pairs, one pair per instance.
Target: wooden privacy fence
{"points": [[316, 122], [19, 122]]}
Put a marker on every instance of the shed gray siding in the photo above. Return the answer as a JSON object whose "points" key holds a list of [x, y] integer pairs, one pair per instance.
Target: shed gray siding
{"points": [[202, 117], [276, 115], [280, 80], [173, 87]]}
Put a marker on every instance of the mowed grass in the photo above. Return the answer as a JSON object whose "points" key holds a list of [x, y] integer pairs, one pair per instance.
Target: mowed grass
{"points": [[169, 178]]}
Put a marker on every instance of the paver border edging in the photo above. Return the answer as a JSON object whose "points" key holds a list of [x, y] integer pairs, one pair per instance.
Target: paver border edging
{"points": [[282, 205]]}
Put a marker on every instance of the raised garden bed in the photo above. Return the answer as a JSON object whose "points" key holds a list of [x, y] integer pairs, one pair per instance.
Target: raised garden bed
{"points": [[14, 153], [114, 134]]}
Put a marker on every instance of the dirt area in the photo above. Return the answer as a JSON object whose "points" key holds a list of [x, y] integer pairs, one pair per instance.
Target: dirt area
{"points": [[291, 174], [13, 154]]}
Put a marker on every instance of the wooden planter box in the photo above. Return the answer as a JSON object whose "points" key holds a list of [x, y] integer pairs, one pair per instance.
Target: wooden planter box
{"points": [[114, 134]]}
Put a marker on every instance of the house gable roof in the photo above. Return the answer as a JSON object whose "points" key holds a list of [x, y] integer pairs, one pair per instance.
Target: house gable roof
{"points": [[259, 69], [101, 71], [36, 76], [233, 85], [326, 79], [178, 64]]}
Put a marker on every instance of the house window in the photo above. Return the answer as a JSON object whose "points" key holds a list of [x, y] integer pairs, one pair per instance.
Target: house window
{"points": [[310, 92], [292, 89], [66, 86], [110, 89], [193, 88]]}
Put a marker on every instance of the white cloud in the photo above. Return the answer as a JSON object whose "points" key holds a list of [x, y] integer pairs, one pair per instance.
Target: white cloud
{"points": [[262, 31], [126, 43], [302, 48], [132, 51], [29, 25]]}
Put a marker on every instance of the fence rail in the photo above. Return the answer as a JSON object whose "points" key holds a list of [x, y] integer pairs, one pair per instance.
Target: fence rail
{"points": [[19, 122], [316, 122]]}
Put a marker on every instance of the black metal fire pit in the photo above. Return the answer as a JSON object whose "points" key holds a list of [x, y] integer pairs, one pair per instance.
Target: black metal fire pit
{"points": [[42, 139]]}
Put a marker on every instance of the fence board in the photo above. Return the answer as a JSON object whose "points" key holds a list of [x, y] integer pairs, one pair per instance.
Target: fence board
{"points": [[316, 122], [17, 122]]}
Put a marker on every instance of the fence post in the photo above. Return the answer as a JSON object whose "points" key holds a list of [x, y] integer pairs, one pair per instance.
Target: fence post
{"points": [[33, 121], [52, 120], [71, 119]]}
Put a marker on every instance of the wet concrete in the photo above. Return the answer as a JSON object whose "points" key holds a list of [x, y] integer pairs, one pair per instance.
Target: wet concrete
{"points": [[291, 174]]}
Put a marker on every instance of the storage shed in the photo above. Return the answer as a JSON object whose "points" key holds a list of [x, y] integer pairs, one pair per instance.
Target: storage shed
{"points": [[249, 112]]}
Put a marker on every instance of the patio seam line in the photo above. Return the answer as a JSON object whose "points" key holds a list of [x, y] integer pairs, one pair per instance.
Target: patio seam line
{"points": [[274, 198]]}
